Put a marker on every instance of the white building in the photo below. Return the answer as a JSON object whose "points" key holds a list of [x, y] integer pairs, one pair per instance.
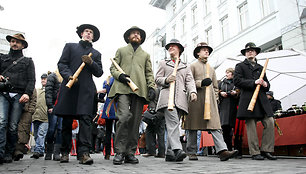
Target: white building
{"points": [[227, 25]]}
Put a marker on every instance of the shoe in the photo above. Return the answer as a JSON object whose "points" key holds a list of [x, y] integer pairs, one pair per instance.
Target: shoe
{"points": [[131, 159], [147, 155], [226, 155], [107, 157], [35, 155], [193, 157], [268, 155], [86, 159], [257, 157], [57, 152], [179, 155], [18, 155], [48, 156], [64, 158], [118, 159], [41, 155], [8, 159]]}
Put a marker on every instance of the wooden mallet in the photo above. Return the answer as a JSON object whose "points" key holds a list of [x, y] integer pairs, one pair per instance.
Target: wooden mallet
{"points": [[76, 74]]}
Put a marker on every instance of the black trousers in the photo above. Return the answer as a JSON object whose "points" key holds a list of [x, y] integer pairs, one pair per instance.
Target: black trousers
{"points": [[227, 136], [84, 135], [108, 135]]}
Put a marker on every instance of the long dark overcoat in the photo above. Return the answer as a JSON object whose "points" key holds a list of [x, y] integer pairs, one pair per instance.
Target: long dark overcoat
{"points": [[244, 78], [78, 100]]}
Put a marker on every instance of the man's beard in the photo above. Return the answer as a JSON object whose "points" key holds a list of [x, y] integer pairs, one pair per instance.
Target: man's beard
{"points": [[135, 41]]}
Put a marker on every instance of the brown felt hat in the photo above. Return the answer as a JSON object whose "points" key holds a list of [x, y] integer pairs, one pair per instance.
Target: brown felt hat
{"points": [[198, 48], [175, 42], [19, 37]]}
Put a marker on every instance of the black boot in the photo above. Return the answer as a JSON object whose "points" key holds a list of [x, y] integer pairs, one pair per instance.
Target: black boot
{"points": [[49, 151], [56, 153]]}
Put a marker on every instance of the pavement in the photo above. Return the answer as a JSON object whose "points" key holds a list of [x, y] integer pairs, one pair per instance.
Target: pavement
{"points": [[206, 164]]}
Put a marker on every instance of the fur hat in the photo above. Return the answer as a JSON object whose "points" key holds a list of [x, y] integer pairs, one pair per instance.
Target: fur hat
{"points": [[96, 32], [248, 46], [126, 35], [19, 37], [175, 42], [198, 48]]}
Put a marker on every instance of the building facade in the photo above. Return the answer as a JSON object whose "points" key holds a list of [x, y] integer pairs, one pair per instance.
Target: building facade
{"points": [[227, 25]]}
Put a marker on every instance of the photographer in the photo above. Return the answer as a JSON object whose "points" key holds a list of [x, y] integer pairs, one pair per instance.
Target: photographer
{"points": [[228, 106], [17, 79]]}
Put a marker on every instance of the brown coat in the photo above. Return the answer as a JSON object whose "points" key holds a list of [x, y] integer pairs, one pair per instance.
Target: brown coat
{"points": [[195, 119], [184, 84]]}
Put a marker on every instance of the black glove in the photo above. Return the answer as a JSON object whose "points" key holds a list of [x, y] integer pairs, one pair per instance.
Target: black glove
{"points": [[151, 94], [123, 78], [88, 60], [152, 107], [206, 82]]}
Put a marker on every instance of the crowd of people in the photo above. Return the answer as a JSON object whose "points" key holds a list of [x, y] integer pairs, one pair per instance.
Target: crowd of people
{"points": [[66, 117]]}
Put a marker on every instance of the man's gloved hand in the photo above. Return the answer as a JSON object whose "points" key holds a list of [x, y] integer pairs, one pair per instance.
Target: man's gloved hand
{"points": [[87, 59], [123, 78], [170, 78], [206, 82], [193, 97], [151, 94], [71, 78], [152, 107]]}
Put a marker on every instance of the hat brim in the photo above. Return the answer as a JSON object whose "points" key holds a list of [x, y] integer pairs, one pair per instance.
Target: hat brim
{"points": [[95, 30], [257, 50], [126, 35], [197, 50], [178, 44], [25, 43]]}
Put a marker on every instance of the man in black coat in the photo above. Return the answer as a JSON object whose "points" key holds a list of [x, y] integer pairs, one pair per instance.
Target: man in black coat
{"points": [[275, 104], [78, 101], [19, 71], [246, 78]]}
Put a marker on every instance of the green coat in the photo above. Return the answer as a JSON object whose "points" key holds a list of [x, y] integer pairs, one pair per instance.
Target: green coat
{"points": [[138, 66]]}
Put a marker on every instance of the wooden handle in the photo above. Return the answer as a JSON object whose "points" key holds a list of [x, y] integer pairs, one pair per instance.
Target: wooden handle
{"points": [[131, 83], [77, 73], [207, 97], [255, 94], [172, 87]]}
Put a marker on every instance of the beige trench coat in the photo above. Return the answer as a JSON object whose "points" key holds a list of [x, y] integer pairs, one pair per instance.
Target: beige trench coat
{"points": [[184, 84], [195, 119]]}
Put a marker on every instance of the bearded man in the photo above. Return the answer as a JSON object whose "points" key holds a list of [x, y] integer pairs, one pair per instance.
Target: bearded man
{"points": [[136, 64]]}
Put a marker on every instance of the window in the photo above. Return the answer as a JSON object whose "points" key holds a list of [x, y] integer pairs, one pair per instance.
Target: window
{"points": [[207, 7], [208, 33], [173, 8], [173, 30], [183, 20], [194, 12], [243, 16], [195, 41], [224, 28], [267, 7]]}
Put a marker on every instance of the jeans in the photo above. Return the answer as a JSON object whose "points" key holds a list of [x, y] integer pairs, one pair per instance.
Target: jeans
{"points": [[54, 134], [10, 113], [40, 132]]}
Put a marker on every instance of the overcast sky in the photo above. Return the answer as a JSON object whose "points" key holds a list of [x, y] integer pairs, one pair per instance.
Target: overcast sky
{"points": [[49, 24]]}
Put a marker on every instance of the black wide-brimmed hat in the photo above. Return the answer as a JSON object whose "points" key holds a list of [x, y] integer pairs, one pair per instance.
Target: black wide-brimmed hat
{"points": [[95, 30], [19, 37], [249, 46], [126, 35], [175, 42], [198, 48]]}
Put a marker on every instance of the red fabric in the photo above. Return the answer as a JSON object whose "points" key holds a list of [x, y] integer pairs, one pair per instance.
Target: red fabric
{"points": [[75, 124], [293, 128], [101, 121], [145, 107], [206, 139]]}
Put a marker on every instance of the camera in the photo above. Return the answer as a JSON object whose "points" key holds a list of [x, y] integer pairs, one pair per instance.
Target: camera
{"points": [[5, 85], [228, 93]]}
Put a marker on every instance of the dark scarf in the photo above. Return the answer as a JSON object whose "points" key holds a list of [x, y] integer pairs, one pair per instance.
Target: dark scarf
{"points": [[15, 53], [85, 44]]}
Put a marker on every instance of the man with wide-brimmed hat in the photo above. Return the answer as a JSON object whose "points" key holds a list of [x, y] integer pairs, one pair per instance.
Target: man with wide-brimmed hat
{"points": [[78, 101], [246, 78], [184, 84], [136, 64], [17, 78], [195, 121]]}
